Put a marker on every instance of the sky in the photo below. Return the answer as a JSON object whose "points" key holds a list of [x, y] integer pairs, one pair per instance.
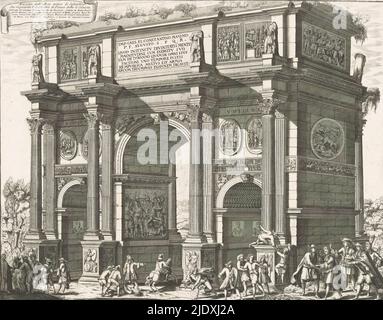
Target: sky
{"points": [[15, 61]]}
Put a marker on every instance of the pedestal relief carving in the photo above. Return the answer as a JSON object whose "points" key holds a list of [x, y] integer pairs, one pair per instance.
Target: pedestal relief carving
{"points": [[327, 139]]}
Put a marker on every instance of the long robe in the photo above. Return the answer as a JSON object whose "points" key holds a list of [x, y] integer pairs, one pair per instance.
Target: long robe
{"points": [[5, 276]]}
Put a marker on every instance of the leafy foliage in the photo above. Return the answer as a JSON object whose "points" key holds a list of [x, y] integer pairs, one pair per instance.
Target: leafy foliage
{"points": [[373, 223], [15, 217], [185, 8]]}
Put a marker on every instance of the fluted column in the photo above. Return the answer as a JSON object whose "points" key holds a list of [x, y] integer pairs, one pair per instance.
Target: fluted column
{"points": [[93, 224], [208, 152], [49, 137], [107, 126], [195, 180], [35, 219], [268, 164], [359, 192], [280, 176]]}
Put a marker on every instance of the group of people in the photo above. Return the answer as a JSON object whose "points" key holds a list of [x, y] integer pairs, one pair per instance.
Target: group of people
{"points": [[352, 265], [27, 275], [113, 281]]}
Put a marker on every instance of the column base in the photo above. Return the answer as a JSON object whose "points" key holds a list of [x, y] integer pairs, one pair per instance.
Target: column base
{"points": [[97, 255], [281, 238], [195, 239], [174, 235], [92, 236], [35, 235], [210, 238], [50, 235], [107, 235]]}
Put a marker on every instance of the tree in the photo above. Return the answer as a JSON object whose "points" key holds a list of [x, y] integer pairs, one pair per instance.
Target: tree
{"points": [[15, 218], [185, 8], [373, 223]]}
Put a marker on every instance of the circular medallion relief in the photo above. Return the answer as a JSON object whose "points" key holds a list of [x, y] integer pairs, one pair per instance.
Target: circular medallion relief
{"points": [[327, 139], [229, 137], [68, 145], [84, 145], [254, 135]]}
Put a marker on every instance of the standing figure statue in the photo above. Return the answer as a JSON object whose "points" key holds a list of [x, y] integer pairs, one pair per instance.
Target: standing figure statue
{"points": [[37, 68], [94, 61], [196, 47], [359, 63], [271, 39]]}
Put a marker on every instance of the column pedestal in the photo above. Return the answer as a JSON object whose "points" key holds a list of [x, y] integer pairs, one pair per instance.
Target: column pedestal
{"points": [[203, 255], [269, 252], [97, 256]]}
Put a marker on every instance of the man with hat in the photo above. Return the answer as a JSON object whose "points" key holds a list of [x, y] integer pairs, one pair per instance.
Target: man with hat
{"points": [[63, 275], [155, 276], [230, 279], [130, 275], [49, 273], [308, 270], [347, 255]]}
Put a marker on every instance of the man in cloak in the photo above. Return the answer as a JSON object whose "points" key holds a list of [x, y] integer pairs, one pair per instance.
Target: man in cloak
{"points": [[5, 274]]}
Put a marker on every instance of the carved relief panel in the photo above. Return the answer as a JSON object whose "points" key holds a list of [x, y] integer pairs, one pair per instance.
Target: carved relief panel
{"points": [[145, 213], [327, 139], [254, 135], [255, 34], [324, 46], [228, 43], [69, 63]]}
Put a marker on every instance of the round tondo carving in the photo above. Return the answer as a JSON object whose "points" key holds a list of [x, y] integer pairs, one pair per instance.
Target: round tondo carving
{"points": [[68, 145], [327, 139], [229, 137]]}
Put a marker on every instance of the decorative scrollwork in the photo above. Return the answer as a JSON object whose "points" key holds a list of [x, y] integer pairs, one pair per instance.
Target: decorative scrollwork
{"points": [[35, 124]]}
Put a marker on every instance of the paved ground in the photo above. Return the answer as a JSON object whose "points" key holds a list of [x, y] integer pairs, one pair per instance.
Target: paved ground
{"points": [[84, 292]]}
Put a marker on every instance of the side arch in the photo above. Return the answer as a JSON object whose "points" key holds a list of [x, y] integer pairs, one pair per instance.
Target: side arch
{"points": [[226, 187], [65, 188]]}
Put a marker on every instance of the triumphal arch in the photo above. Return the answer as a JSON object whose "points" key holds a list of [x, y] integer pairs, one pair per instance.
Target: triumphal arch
{"points": [[274, 86]]}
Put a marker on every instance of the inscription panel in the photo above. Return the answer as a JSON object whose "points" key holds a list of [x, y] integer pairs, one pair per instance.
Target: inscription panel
{"points": [[152, 54]]}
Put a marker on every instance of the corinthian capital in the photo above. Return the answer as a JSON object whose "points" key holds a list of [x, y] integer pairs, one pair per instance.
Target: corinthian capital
{"points": [[49, 126], [194, 110], [270, 105], [35, 124], [93, 118]]}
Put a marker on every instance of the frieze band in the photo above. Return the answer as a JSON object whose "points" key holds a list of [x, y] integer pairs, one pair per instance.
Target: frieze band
{"points": [[294, 164]]}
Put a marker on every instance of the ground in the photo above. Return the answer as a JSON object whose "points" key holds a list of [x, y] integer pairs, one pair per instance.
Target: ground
{"points": [[92, 291]]}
